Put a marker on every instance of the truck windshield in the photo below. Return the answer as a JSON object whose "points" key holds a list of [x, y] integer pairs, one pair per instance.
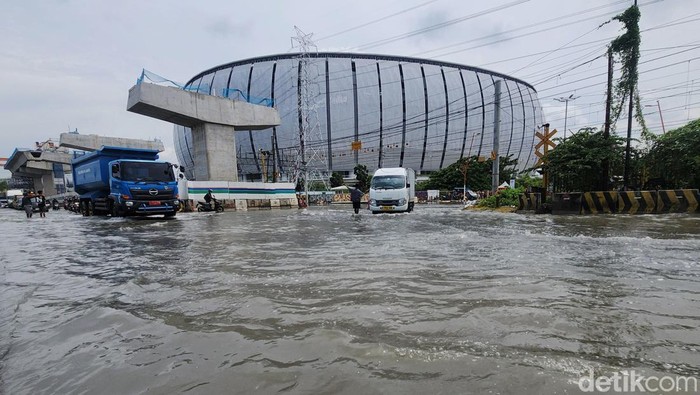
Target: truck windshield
{"points": [[388, 182], [140, 171]]}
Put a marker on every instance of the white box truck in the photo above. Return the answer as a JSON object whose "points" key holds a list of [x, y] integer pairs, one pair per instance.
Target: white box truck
{"points": [[392, 190]]}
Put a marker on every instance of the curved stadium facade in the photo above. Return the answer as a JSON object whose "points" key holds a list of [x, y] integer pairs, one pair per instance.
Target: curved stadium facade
{"points": [[406, 112]]}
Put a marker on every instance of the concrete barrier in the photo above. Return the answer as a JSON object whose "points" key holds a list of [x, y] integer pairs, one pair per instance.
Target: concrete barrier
{"points": [[627, 202], [566, 203], [636, 202], [530, 201], [599, 202], [677, 201], [245, 195]]}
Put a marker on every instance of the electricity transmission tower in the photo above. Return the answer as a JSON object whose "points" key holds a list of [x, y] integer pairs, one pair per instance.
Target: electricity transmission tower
{"points": [[310, 165]]}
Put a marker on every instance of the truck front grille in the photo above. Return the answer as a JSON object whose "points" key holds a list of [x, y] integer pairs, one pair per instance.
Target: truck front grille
{"points": [[387, 202], [145, 194]]}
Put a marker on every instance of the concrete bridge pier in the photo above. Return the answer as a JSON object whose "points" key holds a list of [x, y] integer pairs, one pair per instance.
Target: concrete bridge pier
{"points": [[213, 157]]}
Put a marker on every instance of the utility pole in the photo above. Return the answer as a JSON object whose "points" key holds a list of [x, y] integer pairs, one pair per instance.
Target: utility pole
{"points": [[663, 128], [626, 177], [464, 169], [496, 136], [605, 175], [566, 108]]}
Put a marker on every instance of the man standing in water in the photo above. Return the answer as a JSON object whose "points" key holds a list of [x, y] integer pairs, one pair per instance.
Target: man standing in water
{"points": [[355, 198], [42, 204], [27, 204]]}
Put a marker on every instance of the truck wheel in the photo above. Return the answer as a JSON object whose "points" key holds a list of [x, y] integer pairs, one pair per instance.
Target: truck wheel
{"points": [[170, 215], [115, 210]]}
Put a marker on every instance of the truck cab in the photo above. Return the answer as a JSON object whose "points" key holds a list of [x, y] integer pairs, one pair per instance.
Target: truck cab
{"points": [[140, 187], [392, 190], [125, 181]]}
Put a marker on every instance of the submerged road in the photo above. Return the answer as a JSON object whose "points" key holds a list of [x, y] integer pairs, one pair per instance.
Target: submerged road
{"points": [[318, 301]]}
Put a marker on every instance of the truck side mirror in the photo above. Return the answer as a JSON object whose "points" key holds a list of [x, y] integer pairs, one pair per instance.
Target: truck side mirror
{"points": [[182, 168], [408, 185]]}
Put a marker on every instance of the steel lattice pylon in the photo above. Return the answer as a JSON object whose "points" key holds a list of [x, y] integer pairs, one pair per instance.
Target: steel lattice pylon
{"points": [[310, 164]]}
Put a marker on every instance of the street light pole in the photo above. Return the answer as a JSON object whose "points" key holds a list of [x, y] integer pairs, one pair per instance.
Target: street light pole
{"points": [[566, 108]]}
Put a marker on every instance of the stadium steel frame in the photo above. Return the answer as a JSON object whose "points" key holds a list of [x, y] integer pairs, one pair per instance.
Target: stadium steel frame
{"points": [[447, 134]]}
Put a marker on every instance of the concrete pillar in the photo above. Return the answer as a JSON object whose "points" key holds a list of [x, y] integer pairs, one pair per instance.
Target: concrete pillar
{"points": [[214, 152], [44, 182]]}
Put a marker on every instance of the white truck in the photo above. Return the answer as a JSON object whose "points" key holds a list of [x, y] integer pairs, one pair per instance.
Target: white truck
{"points": [[392, 190]]}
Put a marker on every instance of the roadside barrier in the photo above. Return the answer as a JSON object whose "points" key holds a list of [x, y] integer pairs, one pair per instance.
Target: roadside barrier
{"points": [[636, 202], [677, 201], [626, 202], [529, 201], [599, 202], [567, 203]]}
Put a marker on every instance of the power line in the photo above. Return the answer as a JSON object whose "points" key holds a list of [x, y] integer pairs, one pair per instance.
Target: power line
{"points": [[437, 26], [405, 10]]}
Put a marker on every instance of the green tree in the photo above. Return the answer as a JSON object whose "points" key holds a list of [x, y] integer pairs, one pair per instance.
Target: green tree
{"points": [[478, 174], [673, 160], [3, 185], [506, 197], [525, 181], [337, 180], [317, 186], [363, 177], [574, 165]]}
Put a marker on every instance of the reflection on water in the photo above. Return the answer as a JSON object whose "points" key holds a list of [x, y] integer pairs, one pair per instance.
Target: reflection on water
{"points": [[321, 301]]}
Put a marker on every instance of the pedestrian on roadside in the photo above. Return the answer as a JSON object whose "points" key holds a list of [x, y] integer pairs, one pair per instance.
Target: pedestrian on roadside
{"points": [[356, 198], [27, 204], [42, 204]]}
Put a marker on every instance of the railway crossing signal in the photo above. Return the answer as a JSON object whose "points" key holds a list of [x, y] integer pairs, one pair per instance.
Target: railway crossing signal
{"points": [[546, 142]]}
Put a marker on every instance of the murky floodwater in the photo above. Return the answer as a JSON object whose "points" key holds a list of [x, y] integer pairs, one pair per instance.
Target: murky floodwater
{"points": [[319, 301]]}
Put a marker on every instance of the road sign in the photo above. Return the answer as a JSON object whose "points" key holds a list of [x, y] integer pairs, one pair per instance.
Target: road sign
{"points": [[356, 145], [545, 143]]}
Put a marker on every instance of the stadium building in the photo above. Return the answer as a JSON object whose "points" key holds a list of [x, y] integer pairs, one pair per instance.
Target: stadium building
{"points": [[406, 112]]}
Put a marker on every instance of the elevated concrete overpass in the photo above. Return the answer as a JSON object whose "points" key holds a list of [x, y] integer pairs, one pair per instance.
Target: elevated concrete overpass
{"points": [[212, 119], [40, 167], [93, 142]]}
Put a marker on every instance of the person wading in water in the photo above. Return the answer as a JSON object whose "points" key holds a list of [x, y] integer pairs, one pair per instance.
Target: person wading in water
{"points": [[356, 198]]}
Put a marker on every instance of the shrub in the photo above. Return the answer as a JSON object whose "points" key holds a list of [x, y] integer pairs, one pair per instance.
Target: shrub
{"points": [[506, 197]]}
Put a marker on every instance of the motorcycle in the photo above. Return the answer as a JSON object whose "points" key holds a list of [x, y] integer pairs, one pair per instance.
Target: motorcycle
{"points": [[204, 206]]}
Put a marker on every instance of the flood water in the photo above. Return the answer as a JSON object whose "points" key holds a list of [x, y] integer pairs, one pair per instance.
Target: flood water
{"points": [[320, 301]]}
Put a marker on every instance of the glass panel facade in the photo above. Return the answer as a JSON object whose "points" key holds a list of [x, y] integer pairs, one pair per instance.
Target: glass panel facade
{"points": [[417, 113], [368, 110]]}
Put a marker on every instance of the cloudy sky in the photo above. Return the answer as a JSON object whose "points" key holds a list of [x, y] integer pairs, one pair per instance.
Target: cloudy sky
{"points": [[67, 65]]}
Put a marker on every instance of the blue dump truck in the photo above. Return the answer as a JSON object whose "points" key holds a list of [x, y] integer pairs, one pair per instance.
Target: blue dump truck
{"points": [[123, 182]]}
